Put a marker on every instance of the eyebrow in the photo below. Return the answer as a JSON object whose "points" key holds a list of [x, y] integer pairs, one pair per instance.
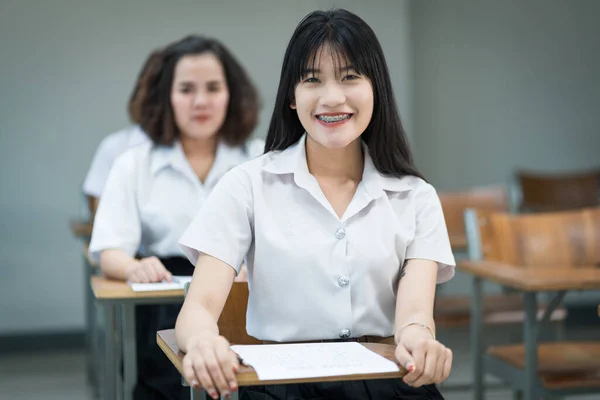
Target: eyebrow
{"points": [[309, 71]]}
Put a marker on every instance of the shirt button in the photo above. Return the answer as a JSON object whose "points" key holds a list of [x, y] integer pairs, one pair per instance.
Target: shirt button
{"points": [[340, 233], [343, 281], [345, 333]]}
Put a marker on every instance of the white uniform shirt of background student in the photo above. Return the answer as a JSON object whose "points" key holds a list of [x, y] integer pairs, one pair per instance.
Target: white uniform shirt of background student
{"points": [[110, 148], [152, 194]]}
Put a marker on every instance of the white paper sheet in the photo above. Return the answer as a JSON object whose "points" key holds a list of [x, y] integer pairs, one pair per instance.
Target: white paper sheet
{"points": [[177, 283], [312, 360]]}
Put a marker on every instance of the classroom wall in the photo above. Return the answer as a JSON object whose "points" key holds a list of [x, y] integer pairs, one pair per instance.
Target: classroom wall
{"points": [[505, 84], [501, 85], [67, 67]]}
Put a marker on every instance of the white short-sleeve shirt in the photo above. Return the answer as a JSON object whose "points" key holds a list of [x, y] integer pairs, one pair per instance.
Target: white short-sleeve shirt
{"points": [[152, 194], [108, 151], [311, 274]]}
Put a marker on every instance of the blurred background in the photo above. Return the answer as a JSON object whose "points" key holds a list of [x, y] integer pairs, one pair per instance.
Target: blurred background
{"points": [[485, 89]]}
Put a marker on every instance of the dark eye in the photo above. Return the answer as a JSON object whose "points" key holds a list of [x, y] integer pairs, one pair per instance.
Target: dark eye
{"points": [[214, 88], [185, 89], [350, 78], [312, 79]]}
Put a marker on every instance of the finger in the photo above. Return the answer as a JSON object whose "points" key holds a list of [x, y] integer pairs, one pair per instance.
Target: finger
{"points": [[150, 270], [138, 275], [201, 372], [418, 356], [188, 372], [214, 369], [163, 272], [439, 368], [447, 365], [404, 358], [143, 274], [226, 358], [429, 367]]}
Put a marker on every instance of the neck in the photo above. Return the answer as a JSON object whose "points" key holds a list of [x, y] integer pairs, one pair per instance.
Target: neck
{"points": [[199, 148], [339, 164]]}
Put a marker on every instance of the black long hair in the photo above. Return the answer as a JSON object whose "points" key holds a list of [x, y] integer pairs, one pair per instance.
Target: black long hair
{"points": [[350, 38]]}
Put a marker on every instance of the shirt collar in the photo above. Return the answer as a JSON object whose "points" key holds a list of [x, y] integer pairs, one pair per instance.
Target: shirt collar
{"points": [[173, 156], [293, 161]]}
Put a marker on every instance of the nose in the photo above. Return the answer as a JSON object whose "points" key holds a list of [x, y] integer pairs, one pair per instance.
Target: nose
{"points": [[200, 99], [333, 95]]}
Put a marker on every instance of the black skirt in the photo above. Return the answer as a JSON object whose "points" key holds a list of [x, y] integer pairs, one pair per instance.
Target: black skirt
{"points": [[377, 389], [158, 379]]}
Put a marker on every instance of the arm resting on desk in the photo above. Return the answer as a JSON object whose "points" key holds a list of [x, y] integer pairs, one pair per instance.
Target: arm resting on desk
{"points": [[427, 360], [115, 264], [205, 300]]}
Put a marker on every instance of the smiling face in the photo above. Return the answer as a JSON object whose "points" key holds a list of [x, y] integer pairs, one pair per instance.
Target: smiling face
{"points": [[334, 103], [199, 96]]}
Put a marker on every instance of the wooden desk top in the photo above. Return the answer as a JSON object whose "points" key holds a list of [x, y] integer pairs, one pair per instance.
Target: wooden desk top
{"points": [[82, 229], [106, 289], [534, 279], [247, 376]]}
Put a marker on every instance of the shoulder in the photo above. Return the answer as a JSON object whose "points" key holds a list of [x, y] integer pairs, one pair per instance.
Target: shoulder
{"points": [[130, 157], [419, 193], [419, 187], [117, 141]]}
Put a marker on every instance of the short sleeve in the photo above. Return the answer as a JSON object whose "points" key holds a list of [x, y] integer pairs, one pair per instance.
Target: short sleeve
{"points": [[95, 180], [431, 241], [223, 226], [117, 223]]}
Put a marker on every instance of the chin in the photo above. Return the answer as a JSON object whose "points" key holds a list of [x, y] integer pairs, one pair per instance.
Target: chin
{"points": [[201, 135], [335, 140]]}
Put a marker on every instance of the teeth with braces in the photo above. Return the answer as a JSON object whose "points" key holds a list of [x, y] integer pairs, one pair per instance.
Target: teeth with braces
{"points": [[331, 118]]}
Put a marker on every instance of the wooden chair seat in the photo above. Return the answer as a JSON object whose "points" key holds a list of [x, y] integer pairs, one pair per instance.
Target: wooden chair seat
{"points": [[504, 308], [562, 365]]}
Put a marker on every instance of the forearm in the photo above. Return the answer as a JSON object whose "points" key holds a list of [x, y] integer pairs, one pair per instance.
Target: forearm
{"points": [[193, 321], [204, 302], [116, 263], [416, 294]]}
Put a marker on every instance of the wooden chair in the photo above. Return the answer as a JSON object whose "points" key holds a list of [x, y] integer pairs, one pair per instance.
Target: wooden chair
{"points": [[549, 241], [559, 192], [454, 204], [232, 323], [503, 308]]}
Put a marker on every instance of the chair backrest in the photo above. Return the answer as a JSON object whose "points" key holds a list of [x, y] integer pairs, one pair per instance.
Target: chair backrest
{"points": [[549, 240], [454, 204], [232, 323], [545, 192]]}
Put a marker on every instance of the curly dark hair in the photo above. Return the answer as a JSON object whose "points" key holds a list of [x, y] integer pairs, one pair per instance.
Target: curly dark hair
{"points": [[153, 100]]}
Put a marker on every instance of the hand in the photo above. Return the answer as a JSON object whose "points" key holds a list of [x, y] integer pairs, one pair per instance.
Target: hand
{"points": [[211, 364], [427, 360], [147, 270]]}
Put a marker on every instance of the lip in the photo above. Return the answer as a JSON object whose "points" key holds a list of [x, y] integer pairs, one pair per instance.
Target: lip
{"points": [[201, 118]]}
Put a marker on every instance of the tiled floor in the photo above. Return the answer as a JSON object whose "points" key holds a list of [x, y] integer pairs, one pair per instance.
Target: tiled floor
{"points": [[62, 376]]}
